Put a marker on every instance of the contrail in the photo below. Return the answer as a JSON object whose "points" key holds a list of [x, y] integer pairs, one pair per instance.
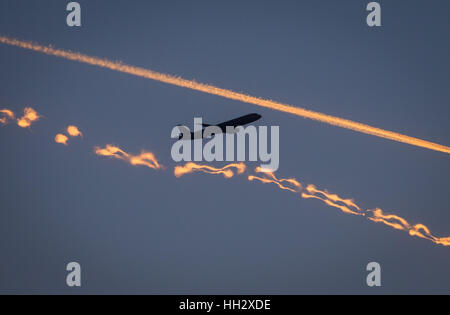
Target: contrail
{"points": [[72, 131], [271, 178], [211, 89], [61, 139], [149, 160], [29, 117], [145, 158], [6, 116], [347, 206], [226, 171]]}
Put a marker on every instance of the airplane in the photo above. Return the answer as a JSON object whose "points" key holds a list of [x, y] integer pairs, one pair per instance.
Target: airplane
{"points": [[241, 121]]}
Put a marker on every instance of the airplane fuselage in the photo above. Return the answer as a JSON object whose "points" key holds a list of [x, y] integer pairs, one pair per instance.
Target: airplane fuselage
{"points": [[232, 124], [241, 121]]}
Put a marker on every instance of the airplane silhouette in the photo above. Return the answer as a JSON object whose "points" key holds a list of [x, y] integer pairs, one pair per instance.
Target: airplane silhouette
{"points": [[241, 121]]}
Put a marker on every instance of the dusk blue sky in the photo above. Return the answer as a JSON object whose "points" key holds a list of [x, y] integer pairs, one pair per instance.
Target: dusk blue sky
{"points": [[137, 230]]}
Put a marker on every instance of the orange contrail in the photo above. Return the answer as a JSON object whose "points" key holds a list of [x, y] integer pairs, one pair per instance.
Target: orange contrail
{"points": [[6, 116], [73, 131], [147, 159], [194, 167], [311, 192], [399, 223], [350, 207], [62, 139], [271, 178], [331, 203], [211, 89], [29, 116], [333, 197]]}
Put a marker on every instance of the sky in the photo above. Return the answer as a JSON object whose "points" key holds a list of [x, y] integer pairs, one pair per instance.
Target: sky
{"points": [[138, 230]]}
